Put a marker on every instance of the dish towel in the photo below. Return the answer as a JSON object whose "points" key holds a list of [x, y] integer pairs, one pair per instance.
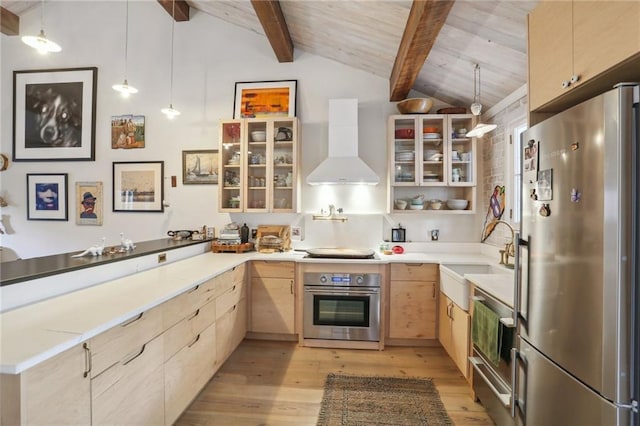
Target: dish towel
{"points": [[485, 331]]}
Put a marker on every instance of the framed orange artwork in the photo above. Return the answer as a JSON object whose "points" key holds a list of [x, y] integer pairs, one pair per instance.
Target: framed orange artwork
{"points": [[264, 99]]}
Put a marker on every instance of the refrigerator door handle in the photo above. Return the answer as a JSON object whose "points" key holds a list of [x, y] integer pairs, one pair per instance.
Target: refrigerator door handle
{"points": [[518, 404], [517, 276]]}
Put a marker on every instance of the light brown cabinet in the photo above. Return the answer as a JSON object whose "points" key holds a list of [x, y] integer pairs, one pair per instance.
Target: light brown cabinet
{"points": [[412, 301], [258, 165], [571, 43], [453, 332], [273, 298], [429, 155], [54, 392]]}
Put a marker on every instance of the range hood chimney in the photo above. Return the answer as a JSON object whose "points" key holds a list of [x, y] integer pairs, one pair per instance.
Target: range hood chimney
{"points": [[343, 166]]}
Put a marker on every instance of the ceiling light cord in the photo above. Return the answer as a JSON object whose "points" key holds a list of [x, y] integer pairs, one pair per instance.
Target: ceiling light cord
{"points": [[124, 89], [42, 17], [171, 112]]}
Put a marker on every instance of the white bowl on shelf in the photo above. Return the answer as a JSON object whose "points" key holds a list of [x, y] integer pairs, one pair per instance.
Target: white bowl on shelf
{"points": [[258, 135], [457, 204], [416, 206]]}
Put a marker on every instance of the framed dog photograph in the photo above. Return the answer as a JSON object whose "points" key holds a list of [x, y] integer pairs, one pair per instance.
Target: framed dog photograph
{"points": [[89, 203], [200, 167], [47, 196], [264, 99], [127, 131], [138, 186], [54, 114]]}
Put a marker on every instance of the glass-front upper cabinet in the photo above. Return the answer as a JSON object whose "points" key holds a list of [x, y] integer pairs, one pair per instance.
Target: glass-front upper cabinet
{"points": [[432, 164], [231, 166], [268, 166], [462, 151]]}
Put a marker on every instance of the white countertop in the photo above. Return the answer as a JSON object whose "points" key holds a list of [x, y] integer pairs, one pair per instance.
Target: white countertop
{"points": [[36, 332], [499, 286]]}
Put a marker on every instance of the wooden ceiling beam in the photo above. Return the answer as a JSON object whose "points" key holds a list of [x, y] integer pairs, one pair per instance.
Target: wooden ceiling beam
{"points": [[182, 9], [275, 27], [426, 18], [9, 22]]}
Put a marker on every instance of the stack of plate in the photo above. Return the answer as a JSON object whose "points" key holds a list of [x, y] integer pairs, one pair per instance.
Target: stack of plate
{"points": [[432, 155], [405, 156], [430, 177], [432, 136]]}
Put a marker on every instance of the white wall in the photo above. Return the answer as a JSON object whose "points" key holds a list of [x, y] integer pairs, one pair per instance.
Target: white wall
{"points": [[210, 56]]}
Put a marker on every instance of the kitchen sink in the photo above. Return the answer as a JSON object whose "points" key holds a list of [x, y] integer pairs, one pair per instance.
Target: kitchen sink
{"points": [[456, 287]]}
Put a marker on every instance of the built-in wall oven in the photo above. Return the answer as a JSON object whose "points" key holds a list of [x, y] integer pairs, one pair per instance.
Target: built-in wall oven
{"points": [[341, 306], [491, 358]]}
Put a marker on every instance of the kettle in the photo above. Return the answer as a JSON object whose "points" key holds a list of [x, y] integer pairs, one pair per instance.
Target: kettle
{"points": [[284, 134]]}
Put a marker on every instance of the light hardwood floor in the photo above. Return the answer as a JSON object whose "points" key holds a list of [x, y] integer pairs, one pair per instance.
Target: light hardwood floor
{"points": [[280, 383]]}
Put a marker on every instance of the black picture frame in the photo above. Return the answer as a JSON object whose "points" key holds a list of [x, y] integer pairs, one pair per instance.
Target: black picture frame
{"points": [[47, 196], [54, 114], [273, 89], [138, 186]]}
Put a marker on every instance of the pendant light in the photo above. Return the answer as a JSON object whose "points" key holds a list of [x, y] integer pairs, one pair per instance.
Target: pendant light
{"points": [[124, 88], [171, 112], [476, 108], [40, 42]]}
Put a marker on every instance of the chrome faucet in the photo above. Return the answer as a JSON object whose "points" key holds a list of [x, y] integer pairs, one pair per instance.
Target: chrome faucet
{"points": [[509, 248], [331, 215]]}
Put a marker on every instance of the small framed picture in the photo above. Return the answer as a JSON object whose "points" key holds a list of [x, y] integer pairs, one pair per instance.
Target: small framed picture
{"points": [[47, 196], [54, 114], [138, 186], [545, 185], [127, 131], [200, 167], [264, 99], [89, 203]]}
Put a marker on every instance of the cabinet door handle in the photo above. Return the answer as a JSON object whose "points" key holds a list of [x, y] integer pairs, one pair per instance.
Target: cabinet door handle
{"points": [[136, 355], [195, 314], [194, 341], [132, 320], [291, 287], [566, 84], [194, 289], [434, 292], [87, 359]]}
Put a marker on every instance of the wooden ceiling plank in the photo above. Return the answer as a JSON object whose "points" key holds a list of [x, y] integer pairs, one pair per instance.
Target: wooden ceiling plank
{"points": [[182, 9], [9, 22], [423, 25], [270, 15]]}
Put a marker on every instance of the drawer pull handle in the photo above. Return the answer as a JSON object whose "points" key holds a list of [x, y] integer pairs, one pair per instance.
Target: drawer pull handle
{"points": [[194, 289], [194, 341], [234, 308], [136, 355], [233, 288], [87, 359], [132, 320], [195, 314], [417, 265]]}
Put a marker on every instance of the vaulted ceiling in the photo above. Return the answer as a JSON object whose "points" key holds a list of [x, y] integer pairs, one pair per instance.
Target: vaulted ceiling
{"points": [[429, 46]]}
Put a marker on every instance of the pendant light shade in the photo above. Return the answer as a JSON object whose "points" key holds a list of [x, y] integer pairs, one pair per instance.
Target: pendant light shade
{"points": [[124, 89], [171, 112], [476, 108], [40, 42]]}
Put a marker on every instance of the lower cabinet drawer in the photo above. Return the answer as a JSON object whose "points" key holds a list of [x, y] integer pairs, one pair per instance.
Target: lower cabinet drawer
{"points": [[114, 344], [186, 330], [131, 391], [227, 300], [226, 280], [231, 327], [188, 371]]}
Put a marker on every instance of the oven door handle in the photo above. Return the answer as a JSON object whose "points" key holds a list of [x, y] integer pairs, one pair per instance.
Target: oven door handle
{"points": [[505, 398], [333, 290]]}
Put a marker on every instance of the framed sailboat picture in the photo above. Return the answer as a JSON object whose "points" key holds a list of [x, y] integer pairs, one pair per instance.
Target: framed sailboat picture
{"points": [[200, 167]]}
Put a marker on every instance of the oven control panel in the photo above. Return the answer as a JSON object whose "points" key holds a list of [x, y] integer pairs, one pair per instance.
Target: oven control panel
{"points": [[342, 279]]}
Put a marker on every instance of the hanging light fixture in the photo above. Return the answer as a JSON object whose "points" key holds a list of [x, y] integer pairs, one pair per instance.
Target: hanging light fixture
{"points": [[124, 88], [476, 108], [40, 42], [171, 112]]}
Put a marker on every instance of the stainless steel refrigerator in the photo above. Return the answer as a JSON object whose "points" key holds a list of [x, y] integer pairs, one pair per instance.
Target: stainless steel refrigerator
{"points": [[577, 293]]}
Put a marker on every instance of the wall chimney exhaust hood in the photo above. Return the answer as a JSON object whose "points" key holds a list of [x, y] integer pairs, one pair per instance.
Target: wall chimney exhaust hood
{"points": [[343, 166]]}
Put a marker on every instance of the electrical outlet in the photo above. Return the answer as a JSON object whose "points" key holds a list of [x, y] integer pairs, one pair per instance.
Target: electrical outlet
{"points": [[162, 257]]}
